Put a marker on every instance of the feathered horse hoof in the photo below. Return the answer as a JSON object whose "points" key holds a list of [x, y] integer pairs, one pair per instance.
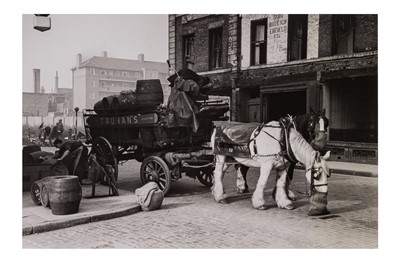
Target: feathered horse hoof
{"points": [[290, 207], [318, 202], [223, 201], [242, 191], [262, 208]]}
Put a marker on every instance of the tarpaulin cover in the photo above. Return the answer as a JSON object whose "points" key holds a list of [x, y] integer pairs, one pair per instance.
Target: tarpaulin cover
{"points": [[182, 109], [232, 138], [235, 132]]}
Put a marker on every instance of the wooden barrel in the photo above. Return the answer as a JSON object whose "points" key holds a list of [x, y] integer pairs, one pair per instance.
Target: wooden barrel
{"points": [[107, 103], [98, 107], [36, 189], [27, 150], [148, 94], [37, 156], [59, 169], [44, 195], [65, 195]]}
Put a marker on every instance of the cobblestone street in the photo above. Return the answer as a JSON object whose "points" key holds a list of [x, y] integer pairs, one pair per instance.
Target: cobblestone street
{"points": [[190, 218]]}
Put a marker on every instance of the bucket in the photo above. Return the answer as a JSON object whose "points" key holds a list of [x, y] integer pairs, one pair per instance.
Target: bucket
{"points": [[36, 189], [65, 195]]}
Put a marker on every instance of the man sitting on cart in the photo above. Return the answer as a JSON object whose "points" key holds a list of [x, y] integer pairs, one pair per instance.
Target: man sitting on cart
{"points": [[75, 156]]}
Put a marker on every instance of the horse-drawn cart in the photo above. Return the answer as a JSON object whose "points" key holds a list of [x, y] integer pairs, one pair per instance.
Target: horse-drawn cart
{"points": [[136, 125]]}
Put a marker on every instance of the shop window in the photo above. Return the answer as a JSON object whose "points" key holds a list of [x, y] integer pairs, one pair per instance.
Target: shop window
{"points": [[343, 34], [258, 42], [297, 37], [188, 49], [215, 47]]}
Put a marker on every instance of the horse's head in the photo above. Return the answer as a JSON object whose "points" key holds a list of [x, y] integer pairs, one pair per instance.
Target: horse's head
{"points": [[317, 177], [317, 126]]}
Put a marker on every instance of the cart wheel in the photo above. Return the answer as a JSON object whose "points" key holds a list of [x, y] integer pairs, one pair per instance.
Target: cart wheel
{"points": [[206, 176], [154, 169], [104, 153]]}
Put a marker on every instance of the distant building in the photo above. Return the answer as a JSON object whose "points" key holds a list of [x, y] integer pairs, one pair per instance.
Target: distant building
{"points": [[39, 103], [35, 104], [102, 76]]}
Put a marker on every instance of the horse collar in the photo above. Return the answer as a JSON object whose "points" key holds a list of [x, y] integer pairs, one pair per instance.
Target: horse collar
{"points": [[286, 124]]}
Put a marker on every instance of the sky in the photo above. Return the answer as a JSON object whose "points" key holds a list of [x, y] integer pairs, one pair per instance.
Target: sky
{"points": [[121, 35]]}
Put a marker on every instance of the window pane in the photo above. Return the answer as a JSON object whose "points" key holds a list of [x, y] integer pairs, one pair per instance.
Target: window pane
{"points": [[260, 30], [257, 55], [215, 48], [258, 42]]}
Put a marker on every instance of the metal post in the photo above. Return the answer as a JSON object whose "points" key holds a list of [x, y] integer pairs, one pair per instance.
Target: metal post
{"points": [[76, 121]]}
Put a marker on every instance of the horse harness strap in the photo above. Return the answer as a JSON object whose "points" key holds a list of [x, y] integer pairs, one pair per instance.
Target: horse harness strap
{"points": [[285, 125], [257, 132], [313, 186]]}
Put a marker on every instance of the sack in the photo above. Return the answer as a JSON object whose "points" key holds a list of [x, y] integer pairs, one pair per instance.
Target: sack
{"points": [[150, 196]]}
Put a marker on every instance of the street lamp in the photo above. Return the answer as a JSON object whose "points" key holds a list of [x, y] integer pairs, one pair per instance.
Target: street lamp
{"points": [[76, 122], [42, 22]]}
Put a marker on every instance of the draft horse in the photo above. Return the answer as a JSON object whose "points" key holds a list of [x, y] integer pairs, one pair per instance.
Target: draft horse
{"points": [[266, 153], [313, 127]]}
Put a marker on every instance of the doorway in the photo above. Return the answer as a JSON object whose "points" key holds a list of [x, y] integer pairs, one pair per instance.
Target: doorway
{"points": [[279, 104]]}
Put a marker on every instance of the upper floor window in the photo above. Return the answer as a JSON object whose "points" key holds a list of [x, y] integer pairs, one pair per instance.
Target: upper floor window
{"points": [[92, 71], [343, 34], [93, 83], [297, 37], [215, 46], [258, 52], [92, 95], [125, 74], [188, 49]]}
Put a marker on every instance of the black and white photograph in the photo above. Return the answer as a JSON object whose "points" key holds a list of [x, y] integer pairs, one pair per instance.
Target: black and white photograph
{"points": [[202, 130]]}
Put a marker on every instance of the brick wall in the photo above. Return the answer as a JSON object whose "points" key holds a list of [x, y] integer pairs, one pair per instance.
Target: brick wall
{"points": [[200, 28], [35, 104], [366, 33], [312, 36], [325, 36]]}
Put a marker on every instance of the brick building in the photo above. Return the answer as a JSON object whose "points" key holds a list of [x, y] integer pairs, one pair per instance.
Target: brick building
{"points": [[277, 64], [102, 76], [35, 104]]}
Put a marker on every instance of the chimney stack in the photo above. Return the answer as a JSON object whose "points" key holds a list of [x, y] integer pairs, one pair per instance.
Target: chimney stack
{"points": [[56, 83], [78, 60], [141, 58], [36, 80], [104, 53]]}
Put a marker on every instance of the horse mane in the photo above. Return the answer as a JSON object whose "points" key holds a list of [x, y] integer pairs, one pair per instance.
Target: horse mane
{"points": [[301, 122], [301, 148]]}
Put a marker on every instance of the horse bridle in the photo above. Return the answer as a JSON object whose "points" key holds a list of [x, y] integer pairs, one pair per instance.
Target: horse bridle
{"points": [[316, 174], [311, 126]]}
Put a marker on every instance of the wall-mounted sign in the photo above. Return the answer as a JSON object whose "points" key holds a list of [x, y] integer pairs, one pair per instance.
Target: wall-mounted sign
{"points": [[277, 39]]}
